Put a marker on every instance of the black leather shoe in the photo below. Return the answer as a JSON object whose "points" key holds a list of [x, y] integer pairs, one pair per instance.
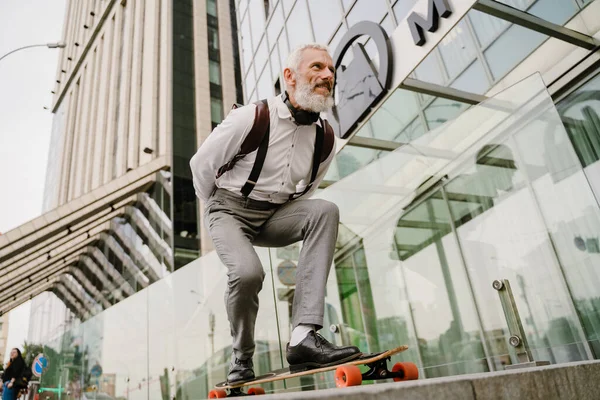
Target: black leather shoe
{"points": [[316, 352], [240, 370]]}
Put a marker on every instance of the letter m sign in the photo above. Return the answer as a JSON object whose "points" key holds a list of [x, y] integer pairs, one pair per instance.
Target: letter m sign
{"points": [[417, 24]]}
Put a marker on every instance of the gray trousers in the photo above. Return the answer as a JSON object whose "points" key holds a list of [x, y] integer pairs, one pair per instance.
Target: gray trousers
{"points": [[237, 224]]}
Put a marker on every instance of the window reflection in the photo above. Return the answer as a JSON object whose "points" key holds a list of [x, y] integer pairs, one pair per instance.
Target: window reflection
{"points": [[299, 30], [402, 8], [441, 111], [457, 49], [325, 16], [256, 13], [275, 25], [372, 10]]}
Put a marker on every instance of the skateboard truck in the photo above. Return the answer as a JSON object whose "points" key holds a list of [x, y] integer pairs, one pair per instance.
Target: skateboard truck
{"points": [[379, 370]]}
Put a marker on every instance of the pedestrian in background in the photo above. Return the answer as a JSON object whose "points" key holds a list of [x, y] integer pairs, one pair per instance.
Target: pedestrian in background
{"points": [[12, 375]]}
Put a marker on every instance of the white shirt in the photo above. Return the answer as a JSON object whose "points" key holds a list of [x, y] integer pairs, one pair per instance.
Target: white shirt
{"points": [[287, 166]]}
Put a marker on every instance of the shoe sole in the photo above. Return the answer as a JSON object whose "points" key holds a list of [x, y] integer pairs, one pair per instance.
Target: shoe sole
{"points": [[313, 365]]}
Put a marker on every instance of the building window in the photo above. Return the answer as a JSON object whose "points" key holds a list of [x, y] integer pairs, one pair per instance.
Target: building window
{"points": [[214, 65], [214, 72], [211, 8], [580, 113], [216, 110]]}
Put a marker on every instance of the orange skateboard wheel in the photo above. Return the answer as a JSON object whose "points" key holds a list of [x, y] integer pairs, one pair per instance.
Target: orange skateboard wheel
{"points": [[348, 375], [217, 394], [256, 391], [410, 371]]}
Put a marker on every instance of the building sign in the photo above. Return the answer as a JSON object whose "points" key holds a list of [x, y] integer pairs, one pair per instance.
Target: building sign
{"points": [[417, 24], [360, 84]]}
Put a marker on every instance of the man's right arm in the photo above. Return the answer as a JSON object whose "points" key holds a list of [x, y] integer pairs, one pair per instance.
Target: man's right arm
{"points": [[219, 148]]}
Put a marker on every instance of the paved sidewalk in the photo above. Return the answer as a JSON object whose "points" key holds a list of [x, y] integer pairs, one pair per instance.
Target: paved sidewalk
{"points": [[576, 381]]}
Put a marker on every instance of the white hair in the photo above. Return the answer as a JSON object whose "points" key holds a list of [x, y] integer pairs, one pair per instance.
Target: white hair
{"points": [[295, 57]]}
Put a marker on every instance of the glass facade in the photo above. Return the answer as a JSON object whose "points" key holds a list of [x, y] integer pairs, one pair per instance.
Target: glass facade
{"points": [[423, 235], [474, 56], [507, 189]]}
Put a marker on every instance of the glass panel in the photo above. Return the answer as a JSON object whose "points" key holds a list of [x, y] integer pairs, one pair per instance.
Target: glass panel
{"points": [[214, 72], [262, 56], [256, 9], [486, 27], [288, 5], [347, 4], [337, 37], [580, 113], [453, 318], [443, 110], [457, 49], [216, 110], [573, 216], [325, 16], [392, 117], [201, 328], [402, 8], [247, 52], [162, 339], [242, 6], [211, 7], [275, 25], [276, 68], [299, 29], [473, 80], [511, 48], [351, 159], [556, 11], [388, 24], [250, 83], [429, 70], [373, 10], [517, 232], [213, 38], [265, 84], [437, 288]]}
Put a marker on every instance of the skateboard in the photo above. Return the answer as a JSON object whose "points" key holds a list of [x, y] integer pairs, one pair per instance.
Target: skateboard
{"points": [[346, 374]]}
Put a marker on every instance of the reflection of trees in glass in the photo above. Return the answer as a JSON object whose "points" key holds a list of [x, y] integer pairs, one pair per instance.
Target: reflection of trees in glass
{"points": [[580, 114], [356, 297], [423, 227]]}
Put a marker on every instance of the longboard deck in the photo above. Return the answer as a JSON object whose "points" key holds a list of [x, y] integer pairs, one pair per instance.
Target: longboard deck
{"points": [[285, 373]]}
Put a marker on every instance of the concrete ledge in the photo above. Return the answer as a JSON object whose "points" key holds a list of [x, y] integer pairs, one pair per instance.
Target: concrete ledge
{"points": [[577, 381]]}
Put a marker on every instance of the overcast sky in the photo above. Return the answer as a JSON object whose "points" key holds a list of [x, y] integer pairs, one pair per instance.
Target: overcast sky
{"points": [[26, 79]]}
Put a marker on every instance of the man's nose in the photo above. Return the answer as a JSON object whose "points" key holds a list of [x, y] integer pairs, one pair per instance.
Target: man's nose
{"points": [[327, 75]]}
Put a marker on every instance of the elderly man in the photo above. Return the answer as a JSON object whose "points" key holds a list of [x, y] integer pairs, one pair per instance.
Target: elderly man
{"points": [[260, 198]]}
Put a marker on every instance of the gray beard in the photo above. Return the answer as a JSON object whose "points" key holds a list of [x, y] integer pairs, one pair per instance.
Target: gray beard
{"points": [[311, 101]]}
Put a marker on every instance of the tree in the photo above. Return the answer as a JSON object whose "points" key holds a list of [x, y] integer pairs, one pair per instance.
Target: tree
{"points": [[30, 351]]}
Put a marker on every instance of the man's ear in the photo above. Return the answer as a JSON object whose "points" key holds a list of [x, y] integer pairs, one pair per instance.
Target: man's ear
{"points": [[289, 77]]}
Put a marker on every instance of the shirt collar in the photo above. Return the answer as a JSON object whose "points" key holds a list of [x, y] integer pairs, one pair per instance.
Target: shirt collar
{"points": [[282, 109]]}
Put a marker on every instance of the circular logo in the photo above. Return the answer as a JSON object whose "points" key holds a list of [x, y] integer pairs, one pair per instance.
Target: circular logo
{"points": [[359, 84]]}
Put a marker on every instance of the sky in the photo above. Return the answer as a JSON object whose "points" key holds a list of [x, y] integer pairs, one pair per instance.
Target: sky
{"points": [[26, 79]]}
